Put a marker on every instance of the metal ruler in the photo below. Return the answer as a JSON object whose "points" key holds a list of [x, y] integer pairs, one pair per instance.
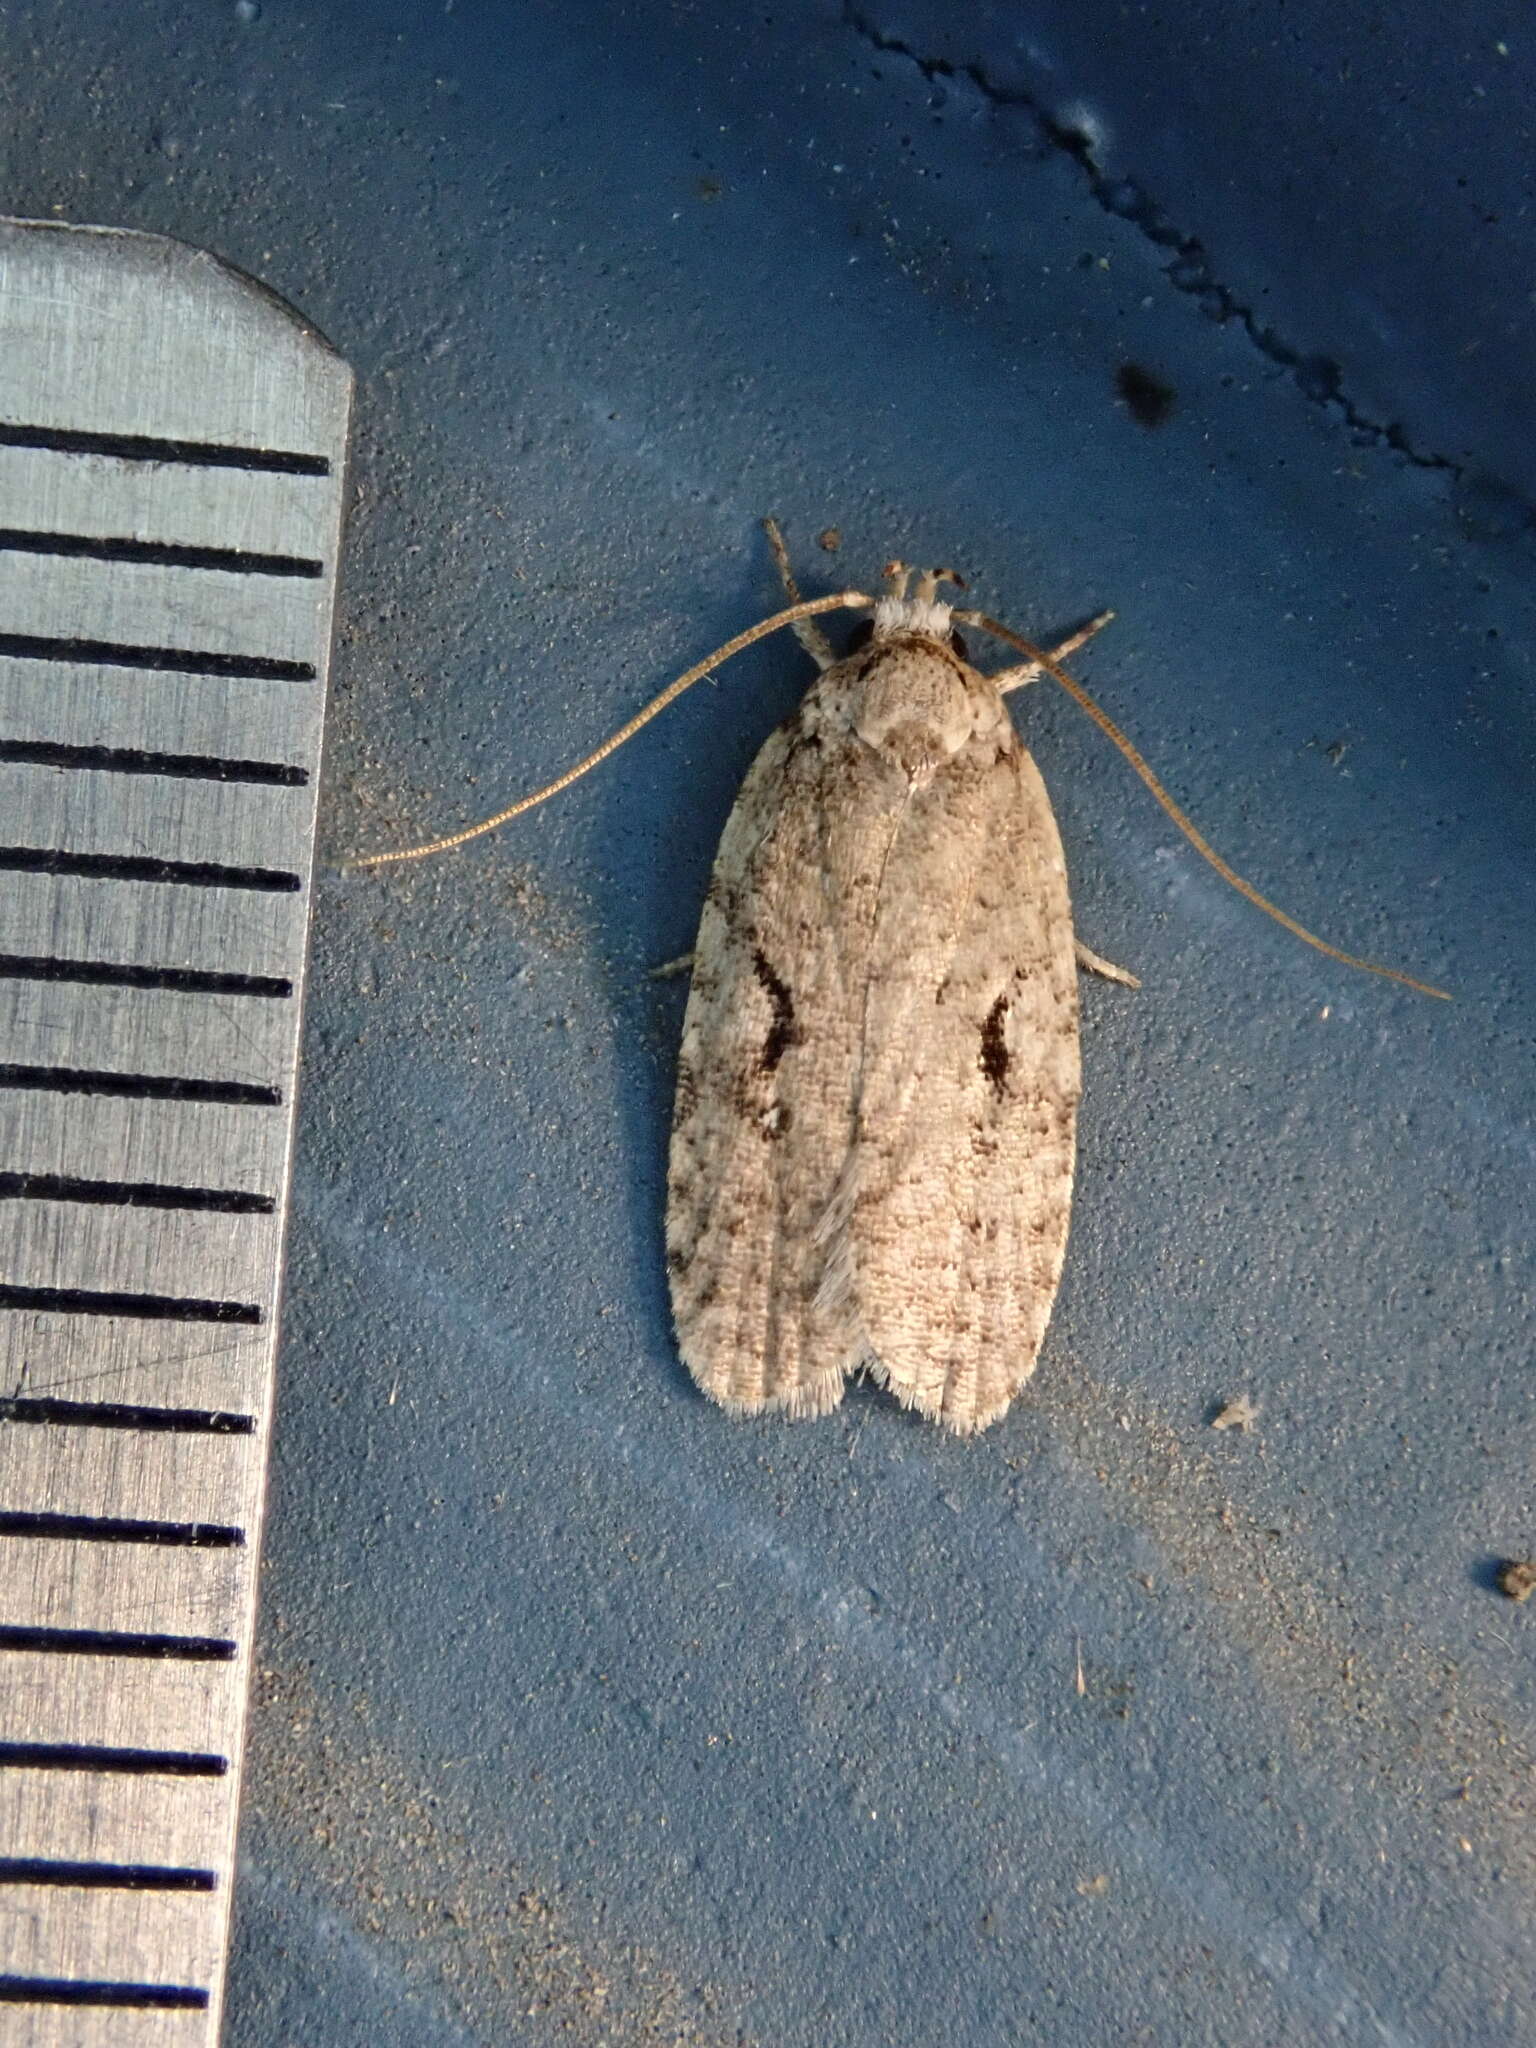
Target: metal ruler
{"points": [[172, 440]]}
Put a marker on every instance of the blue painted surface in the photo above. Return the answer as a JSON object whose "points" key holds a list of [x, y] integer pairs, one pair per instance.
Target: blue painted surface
{"points": [[588, 1715]]}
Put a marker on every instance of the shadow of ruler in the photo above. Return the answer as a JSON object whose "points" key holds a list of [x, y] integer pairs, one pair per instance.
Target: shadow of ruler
{"points": [[172, 444]]}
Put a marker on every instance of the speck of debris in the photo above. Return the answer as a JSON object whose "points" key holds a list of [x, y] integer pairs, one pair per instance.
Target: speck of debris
{"points": [[1095, 1887], [1242, 1413], [707, 189], [830, 539], [1149, 401], [1517, 1579]]}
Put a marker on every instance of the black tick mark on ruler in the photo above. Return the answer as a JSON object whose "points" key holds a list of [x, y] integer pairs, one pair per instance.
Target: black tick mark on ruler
{"points": [[130, 1194], [162, 1308], [96, 1757], [155, 448], [149, 1087], [107, 1642], [117, 1877], [120, 1529], [156, 554], [186, 661], [140, 761], [71, 1991], [188, 981], [133, 867], [126, 1415]]}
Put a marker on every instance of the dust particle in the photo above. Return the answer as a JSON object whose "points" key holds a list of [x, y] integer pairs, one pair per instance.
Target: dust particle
{"points": [[1517, 1579], [1242, 1414]]}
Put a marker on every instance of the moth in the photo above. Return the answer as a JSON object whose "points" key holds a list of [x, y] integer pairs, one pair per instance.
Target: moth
{"points": [[872, 1147], [873, 1139]]}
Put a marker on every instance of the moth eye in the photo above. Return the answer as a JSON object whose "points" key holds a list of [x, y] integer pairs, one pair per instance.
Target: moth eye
{"points": [[959, 646], [861, 635]]}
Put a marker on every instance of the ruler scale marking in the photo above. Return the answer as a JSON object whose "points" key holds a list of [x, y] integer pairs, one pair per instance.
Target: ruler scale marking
{"points": [[118, 1529], [80, 1756], [172, 445], [141, 761], [149, 448], [156, 1087], [158, 554]]}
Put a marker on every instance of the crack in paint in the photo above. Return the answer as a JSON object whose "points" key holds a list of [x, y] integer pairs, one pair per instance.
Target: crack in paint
{"points": [[1319, 378]]}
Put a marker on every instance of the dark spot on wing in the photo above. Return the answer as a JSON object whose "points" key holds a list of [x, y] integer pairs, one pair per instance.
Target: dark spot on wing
{"points": [[958, 644], [994, 1052], [781, 1029], [1149, 401]]}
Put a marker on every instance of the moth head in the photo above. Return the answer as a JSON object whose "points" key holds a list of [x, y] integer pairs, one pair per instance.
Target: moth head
{"points": [[921, 612], [910, 699]]}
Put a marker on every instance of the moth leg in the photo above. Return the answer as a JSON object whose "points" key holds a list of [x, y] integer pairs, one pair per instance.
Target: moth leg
{"points": [[683, 964], [1030, 671], [806, 631], [1095, 964]]}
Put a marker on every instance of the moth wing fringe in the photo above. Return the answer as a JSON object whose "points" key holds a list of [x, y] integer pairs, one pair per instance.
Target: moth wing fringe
{"points": [[935, 1407], [806, 1401]]}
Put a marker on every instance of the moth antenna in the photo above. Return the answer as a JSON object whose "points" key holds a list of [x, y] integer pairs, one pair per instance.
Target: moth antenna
{"points": [[929, 580], [1186, 825], [842, 600]]}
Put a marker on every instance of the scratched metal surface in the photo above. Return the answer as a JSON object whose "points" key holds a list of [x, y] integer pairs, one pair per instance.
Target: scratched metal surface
{"points": [[587, 1715], [172, 469]]}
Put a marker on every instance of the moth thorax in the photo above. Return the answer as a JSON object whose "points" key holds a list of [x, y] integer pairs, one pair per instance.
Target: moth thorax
{"points": [[913, 706], [911, 615]]}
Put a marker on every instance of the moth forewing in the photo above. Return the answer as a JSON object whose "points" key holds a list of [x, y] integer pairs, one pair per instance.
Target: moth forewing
{"points": [[872, 1150]]}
